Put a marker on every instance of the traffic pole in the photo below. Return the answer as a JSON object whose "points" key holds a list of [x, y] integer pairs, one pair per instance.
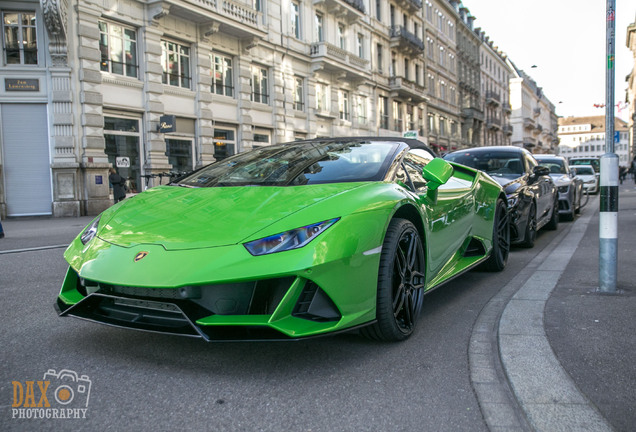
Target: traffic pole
{"points": [[608, 221]]}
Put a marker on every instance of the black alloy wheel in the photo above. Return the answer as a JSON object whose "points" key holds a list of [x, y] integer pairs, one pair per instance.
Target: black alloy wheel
{"points": [[401, 282], [500, 239], [531, 227]]}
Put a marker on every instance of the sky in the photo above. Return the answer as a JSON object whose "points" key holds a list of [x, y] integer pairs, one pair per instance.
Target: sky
{"points": [[566, 41]]}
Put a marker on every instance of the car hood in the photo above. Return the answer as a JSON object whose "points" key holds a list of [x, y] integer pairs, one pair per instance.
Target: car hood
{"points": [[188, 218], [561, 179]]}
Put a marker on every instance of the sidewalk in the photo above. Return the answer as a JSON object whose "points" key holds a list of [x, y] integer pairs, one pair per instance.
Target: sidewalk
{"points": [[594, 335]]}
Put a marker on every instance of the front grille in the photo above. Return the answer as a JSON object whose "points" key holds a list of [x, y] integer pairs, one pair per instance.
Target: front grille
{"points": [[245, 298]]}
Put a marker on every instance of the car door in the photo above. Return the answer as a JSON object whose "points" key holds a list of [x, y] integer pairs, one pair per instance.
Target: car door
{"points": [[543, 188], [449, 217]]}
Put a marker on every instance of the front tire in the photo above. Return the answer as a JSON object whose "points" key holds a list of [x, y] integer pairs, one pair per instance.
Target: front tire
{"points": [[531, 227], [553, 223], [401, 282], [500, 239]]}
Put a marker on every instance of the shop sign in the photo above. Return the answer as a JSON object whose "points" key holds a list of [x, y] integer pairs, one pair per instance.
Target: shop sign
{"points": [[167, 123], [13, 84]]}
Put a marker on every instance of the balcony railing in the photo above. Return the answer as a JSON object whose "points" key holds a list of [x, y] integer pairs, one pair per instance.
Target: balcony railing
{"points": [[330, 57], [349, 10], [403, 38], [403, 88], [493, 98]]}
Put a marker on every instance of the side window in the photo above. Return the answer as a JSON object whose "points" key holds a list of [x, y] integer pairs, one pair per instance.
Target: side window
{"points": [[414, 165]]}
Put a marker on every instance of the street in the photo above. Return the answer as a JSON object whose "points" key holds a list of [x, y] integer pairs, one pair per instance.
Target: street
{"points": [[148, 381]]}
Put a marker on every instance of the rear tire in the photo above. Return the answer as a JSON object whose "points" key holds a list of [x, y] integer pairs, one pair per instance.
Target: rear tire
{"points": [[401, 283], [500, 239]]}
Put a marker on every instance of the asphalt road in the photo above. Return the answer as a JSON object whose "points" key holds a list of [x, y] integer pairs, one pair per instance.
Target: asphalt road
{"points": [[142, 381]]}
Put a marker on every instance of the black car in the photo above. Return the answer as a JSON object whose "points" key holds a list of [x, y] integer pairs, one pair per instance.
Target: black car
{"points": [[533, 199]]}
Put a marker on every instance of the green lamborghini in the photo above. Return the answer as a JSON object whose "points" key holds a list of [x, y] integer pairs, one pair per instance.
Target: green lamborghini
{"points": [[289, 241]]}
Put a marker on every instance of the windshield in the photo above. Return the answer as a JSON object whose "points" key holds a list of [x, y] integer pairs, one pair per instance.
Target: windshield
{"points": [[583, 170], [593, 162], [556, 166], [496, 163], [299, 163]]}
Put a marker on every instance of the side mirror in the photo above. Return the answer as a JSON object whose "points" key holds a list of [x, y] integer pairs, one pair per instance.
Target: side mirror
{"points": [[540, 171], [436, 173]]}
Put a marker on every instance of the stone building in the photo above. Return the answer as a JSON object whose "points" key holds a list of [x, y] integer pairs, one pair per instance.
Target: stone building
{"points": [[585, 137], [631, 91], [533, 117], [495, 91]]}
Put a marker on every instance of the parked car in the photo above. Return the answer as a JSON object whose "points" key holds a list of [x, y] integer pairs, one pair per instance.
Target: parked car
{"points": [[588, 176], [289, 241], [531, 193], [581, 160], [569, 186]]}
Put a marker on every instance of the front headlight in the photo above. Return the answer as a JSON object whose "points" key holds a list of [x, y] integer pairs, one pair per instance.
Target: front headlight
{"points": [[89, 232], [288, 240]]}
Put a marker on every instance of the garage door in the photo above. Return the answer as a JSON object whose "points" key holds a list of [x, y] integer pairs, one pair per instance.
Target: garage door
{"points": [[27, 170]]}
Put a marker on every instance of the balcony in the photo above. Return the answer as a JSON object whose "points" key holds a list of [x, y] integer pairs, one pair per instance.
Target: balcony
{"points": [[494, 124], [232, 17], [536, 112], [472, 113], [407, 90], [493, 98], [406, 41], [331, 59], [348, 10], [410, 5], [529, 123], [507, 109], [507, 129]]}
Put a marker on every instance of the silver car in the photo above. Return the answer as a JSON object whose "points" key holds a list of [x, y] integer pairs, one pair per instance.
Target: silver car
{"points": [[589, 177], [570, 186]]}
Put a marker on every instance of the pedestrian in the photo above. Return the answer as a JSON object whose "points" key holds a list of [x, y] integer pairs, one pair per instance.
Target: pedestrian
{"points": [[1, 230], [622, 173], [118, 182]]}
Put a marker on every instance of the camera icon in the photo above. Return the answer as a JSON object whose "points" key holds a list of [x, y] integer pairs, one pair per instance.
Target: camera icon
{"points": [[71, 390]]}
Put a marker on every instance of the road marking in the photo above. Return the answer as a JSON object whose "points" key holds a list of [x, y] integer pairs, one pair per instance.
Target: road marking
{"points": [[38, 248]]}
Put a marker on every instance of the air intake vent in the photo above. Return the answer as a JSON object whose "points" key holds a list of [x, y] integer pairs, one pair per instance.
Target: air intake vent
{"points": [[314, 305]]}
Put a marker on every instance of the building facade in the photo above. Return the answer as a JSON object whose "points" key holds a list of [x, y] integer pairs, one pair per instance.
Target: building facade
{"points": [[585, 137], [150, 87], [533, 118], [495, 91], [630, 95]]}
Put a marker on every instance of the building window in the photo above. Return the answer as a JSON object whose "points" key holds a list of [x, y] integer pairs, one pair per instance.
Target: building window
{"points": [[417, 74], [322, 98], [223, 79], [175, 59], [442, 126], [224, 142], [20, 38], [410, 117], [431, 85], [122, 138], [406, 69], [431, 48], [258, 5], [361, 109], [342, 42], [360, 41], [398, 122], [429, 11], [118, 47], [295, 19], [179, 153], [299, 94], [343, 104], [379, 58], [442, 56], [383, 112], [378, 10], [260, 87], [431, 124], [320, 32], [442, 90]]}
